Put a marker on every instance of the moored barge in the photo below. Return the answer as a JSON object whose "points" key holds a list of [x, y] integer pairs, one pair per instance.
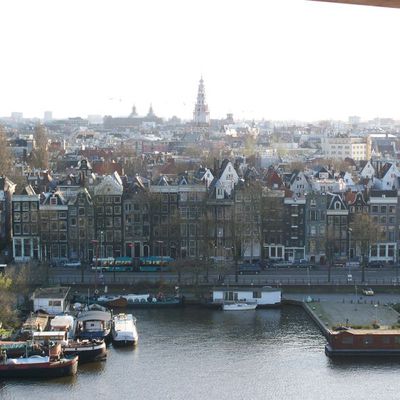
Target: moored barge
{"points": [[364, 342]]}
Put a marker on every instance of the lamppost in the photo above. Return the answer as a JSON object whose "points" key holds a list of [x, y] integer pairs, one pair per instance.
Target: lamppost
{"points": [[96, 245], [130, 245], [160, 243], [350, 230]]}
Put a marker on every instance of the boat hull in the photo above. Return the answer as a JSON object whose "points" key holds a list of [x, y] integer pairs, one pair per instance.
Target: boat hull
{"points": [[155, 304], [239, 307], [45, 370], [124, 343], [87, 352], [342, 353]]}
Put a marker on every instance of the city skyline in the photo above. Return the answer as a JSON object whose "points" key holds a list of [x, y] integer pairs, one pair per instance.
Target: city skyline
{"points": [[291, 60]]}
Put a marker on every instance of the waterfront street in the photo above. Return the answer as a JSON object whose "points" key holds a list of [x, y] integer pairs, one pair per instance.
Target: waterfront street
{"points": [[388, 276]]}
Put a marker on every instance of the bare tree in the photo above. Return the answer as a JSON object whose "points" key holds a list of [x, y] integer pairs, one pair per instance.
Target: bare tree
{"points": [[39, 157], [364, 234], [6, 158]]}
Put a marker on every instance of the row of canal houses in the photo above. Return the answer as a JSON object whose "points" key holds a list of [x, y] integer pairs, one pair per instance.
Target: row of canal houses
{"points": [[232, 211]]}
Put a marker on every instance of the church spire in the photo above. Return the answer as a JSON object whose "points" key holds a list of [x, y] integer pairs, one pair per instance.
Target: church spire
{"points": [[201, 115]]}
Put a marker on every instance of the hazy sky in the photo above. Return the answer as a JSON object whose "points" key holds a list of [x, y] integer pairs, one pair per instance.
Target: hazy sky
{"points": [[277, 59]]}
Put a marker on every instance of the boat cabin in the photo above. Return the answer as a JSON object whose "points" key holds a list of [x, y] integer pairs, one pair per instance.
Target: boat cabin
{"points": [[265, 296], [364, 342], [49, 336], [52, 300]]}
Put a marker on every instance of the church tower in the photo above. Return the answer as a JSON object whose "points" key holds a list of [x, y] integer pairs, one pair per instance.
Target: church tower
{"points": [[201, 115]]}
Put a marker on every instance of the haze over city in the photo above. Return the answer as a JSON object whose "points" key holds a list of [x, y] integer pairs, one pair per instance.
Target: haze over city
{"points": [[289, 59]]}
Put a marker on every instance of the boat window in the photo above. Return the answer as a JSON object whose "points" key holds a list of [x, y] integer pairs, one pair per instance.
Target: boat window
{"points": [[256, 295], [386, 340], [347, 339], [368, 340]]}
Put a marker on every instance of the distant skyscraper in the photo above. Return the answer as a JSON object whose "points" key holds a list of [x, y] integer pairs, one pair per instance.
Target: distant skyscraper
{"points": [[354, 120], [201, 115], [48, 116], [17, 116]]}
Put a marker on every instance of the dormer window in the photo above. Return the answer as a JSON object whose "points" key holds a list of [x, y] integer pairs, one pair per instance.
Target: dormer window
{"points": [[53, 201], [337, 205]]}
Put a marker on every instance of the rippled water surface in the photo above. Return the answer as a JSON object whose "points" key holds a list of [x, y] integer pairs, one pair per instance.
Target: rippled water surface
{"points": [[196, 353]]}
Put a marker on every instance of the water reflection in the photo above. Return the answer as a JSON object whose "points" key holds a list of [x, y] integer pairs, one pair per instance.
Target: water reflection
{"points": [[198, 354]]}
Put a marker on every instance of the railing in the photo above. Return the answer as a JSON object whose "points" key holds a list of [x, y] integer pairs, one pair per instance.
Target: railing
{"points": [[227, 280]]}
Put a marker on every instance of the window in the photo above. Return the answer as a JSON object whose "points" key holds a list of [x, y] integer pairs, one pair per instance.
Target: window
{"points": [[117, 200], [81, 211], [109, 210], [17, 206], [374, 209], [62, 225], [347, 339], [117, 210], [17, 229], [25, 206], [26, 229], [25, 217], [368, 340], [17, 217], [53, 201], [383, 209]]}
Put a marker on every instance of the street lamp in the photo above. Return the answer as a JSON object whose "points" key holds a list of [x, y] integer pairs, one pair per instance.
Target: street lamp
{"points": [[130, 245], [96, 245], [160, 243], [350, 230]]}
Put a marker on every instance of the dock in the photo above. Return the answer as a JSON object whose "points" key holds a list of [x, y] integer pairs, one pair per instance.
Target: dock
{"points": [[356, 328]]}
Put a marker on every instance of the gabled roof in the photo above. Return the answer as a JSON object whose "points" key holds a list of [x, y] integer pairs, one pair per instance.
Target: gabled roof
{"points": [[333, 198]]}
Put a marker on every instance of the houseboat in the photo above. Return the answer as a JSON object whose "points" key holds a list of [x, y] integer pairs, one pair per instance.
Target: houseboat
{"points": [[43, 367], [63, 332], [36, 322], [363, 342], [262, 297], [124, 332], [93, 324], [112, 301], [52, 300], [239, 306], [153, 301]]}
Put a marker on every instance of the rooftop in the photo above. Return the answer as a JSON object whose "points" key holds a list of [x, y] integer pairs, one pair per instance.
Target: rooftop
{"points": [[60, 292]]}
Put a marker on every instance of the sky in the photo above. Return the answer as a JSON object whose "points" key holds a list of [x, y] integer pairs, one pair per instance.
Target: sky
{"points": [[272, 59]]}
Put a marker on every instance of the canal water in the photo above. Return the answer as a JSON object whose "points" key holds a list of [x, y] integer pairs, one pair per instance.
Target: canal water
{"points": [[196, 353]]}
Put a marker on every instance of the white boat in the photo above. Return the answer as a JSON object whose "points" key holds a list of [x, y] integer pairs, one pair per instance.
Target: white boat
{"points": [[239, 306], [124, 330]]}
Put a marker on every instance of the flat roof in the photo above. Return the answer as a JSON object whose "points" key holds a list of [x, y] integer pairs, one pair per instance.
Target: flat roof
{"points": [[60, 292]]}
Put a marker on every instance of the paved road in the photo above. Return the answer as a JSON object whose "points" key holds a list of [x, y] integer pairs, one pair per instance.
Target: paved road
{"points": [[282, 276]]}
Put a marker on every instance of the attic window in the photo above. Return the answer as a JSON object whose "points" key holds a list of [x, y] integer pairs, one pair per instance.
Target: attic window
{"points": [[53, 201], [337, 205]]}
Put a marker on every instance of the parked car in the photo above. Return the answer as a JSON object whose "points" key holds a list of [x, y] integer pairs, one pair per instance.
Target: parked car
{"points": [[368, 292], [376, 264], [72, 264], [249, 269]]}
